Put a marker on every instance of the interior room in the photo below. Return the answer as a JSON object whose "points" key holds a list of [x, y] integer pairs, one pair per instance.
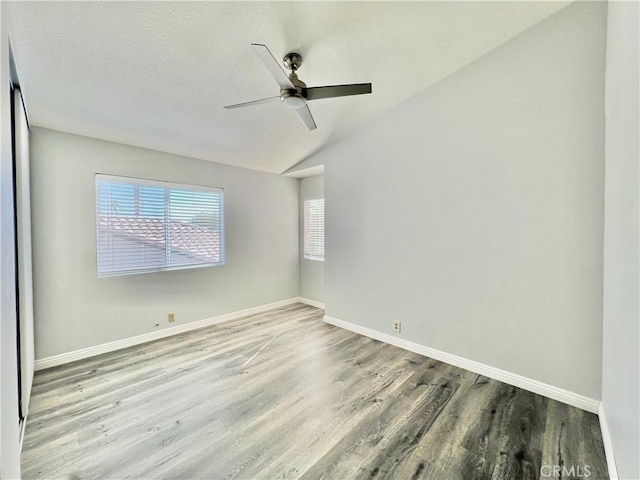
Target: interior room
{"points": [[320, 240]]}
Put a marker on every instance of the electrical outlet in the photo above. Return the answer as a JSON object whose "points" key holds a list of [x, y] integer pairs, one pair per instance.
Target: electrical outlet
{"points": [[396, 326], [172, 317]]}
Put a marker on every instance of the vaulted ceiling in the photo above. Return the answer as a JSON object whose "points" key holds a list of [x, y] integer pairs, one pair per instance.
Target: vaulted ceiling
{"points": [[157, 74]]}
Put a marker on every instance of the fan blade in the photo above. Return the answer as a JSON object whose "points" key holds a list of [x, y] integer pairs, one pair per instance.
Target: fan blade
{"points": [[317, 93], [273, 66], [305, 115], [255, 102]]}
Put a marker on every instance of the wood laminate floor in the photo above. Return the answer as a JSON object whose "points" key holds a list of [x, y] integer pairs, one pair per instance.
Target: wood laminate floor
{"points": [[283, 395]]}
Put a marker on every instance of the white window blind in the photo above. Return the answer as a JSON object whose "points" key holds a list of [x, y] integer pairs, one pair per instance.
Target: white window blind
{"points": [[314, 228], [146, 226]]}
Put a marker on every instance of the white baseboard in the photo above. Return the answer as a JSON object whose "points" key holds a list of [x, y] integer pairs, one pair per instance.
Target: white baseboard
{"points": [[68, 357], [313, 303], [549, 391], [608, 446]]}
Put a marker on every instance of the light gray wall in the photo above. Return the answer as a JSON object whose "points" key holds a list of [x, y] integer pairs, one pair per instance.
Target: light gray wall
{"points": [[621, 322], [474, 212], [74, 309], [311, 271], [9, 431]]}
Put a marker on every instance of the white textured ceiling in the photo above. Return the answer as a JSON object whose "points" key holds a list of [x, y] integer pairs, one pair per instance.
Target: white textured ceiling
{"points": [[157, 74]]}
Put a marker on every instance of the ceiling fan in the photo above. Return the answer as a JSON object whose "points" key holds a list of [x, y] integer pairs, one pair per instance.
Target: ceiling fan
{"points": [[294, 93]]}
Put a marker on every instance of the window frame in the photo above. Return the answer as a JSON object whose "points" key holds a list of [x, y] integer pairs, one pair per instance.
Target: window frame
{"points": [[305, 240], [167, 186]]}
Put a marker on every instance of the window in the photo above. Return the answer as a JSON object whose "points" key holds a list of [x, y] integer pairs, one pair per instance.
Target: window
{"points": [[314, 228], [147, 226]]}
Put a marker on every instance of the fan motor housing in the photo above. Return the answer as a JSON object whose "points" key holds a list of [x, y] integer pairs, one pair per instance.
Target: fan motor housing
{"points": [[299, 84], [294, 98]]}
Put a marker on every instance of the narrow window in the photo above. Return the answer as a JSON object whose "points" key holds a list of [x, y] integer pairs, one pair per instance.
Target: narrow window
{"points": [[314, 228], [148, 226]]}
